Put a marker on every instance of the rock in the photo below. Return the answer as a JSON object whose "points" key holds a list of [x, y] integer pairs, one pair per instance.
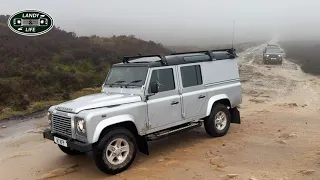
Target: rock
{"points": [[281, 141], [223, 144], [37, 131], [288, 136], [4, 126], [261, 122], [210, 153], [4, 110], [293, 135], [306, 172], [171, 162], [256, 100], [252, 178], [285, 178], [293, 104], [217, 162], [70, 168], [232, 175]]}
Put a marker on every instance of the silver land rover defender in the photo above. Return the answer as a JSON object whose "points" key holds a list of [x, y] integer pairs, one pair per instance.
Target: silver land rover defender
{"points": [[145, 98]]}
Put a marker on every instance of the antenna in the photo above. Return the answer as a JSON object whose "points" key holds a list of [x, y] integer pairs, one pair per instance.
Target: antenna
{"points": [[234, 22]]}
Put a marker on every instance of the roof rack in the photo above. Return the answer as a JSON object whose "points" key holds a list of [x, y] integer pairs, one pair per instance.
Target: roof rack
{"points": [[163, 60], [229, 50], [191, 52]]}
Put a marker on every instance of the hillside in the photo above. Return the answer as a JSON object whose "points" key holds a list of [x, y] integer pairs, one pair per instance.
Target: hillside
{"points": [[56, 64], [304, 53]]}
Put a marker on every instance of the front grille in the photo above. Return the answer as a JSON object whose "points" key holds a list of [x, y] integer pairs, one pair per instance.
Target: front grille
{"points": [[273, 56], [61, 125]]}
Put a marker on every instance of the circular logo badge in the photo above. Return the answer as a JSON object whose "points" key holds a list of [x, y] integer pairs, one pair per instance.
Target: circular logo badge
{"points": [[30, 22]]}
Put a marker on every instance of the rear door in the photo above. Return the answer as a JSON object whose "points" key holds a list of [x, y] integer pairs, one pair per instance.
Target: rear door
{"points": [[193, 92]]}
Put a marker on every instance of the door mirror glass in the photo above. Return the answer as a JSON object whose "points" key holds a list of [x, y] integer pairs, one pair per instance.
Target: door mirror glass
{"points": [[154, 87]]}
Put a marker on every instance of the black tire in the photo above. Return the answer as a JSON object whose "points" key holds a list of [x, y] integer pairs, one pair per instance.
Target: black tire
{"points": [[209, 122], [99, 151], [69, 151]]}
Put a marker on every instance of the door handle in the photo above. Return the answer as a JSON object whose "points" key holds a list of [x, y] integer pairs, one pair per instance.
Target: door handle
{"points": [[201, 96], [174, 102]]}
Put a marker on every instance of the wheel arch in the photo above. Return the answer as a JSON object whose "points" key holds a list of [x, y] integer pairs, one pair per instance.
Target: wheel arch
{"points": [[126, 121], [220, 98], [122, 121]]}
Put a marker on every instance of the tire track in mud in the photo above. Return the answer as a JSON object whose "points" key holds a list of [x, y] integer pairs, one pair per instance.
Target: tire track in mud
{"points": [[274, 84]]}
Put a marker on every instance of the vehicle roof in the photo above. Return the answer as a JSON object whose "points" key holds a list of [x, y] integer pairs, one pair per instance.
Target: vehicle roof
{"points": [[272, 45], [178, 58]]}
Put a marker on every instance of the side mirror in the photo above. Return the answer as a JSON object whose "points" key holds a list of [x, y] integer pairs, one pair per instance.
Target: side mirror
{"points": [[154, 87]]}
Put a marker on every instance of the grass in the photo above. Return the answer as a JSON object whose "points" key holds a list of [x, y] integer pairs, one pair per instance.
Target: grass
{"points": [[38, 106]]}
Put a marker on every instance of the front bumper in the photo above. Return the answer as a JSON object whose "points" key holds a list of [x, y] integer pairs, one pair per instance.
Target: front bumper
{"points": [[71, 143], [273, 58]]}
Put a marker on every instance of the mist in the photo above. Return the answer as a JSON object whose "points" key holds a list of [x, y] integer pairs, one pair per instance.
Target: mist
{"points": [[182, 22]]}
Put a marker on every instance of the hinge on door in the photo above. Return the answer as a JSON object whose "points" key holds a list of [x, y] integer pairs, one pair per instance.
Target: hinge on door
{"points": [[183, 115]]}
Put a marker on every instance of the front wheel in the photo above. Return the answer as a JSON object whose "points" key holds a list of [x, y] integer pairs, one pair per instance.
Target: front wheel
{"points": [[116, 151], [218, 122]]}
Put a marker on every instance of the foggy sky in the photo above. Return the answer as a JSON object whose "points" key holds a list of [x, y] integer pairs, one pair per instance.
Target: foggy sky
{"points": [[182, 22]]}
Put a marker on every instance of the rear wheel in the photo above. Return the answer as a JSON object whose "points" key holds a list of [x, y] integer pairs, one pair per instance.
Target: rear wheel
{"points": [[69, 151], [116, 151], [218, 122]]}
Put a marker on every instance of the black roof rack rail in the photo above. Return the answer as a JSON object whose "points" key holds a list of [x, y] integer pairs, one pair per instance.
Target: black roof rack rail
{"points": [[162, 58], [230, 50], [191, 52]]}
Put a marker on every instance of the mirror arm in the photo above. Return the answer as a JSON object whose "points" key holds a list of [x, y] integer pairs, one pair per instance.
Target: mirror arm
{"points": [[148, 95]]}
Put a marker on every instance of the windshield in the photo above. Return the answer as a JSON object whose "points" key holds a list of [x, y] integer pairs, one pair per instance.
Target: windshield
{"points": [[273, 50], [127, 76]]}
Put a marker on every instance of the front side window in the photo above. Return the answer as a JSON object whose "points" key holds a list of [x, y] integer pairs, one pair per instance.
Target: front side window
{"points": [[130, 76], [164, 78], [191, 75]]}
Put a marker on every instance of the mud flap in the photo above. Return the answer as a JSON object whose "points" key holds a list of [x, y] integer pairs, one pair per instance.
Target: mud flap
{"points": [[235, 116], [143, 145]]}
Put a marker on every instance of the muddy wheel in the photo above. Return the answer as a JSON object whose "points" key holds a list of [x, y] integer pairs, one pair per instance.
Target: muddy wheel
{"points": [[218, 122], [116, 151], [69, 151]]}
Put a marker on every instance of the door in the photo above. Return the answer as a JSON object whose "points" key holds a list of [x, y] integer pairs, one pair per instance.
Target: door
{"points": [[164, 107], [193, 92]]}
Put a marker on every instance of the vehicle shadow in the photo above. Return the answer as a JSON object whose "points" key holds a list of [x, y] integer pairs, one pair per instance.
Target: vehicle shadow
{"points": [[157, 149]]}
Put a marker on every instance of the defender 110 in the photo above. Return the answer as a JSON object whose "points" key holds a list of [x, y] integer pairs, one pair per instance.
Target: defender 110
{"points": [[146, 98], [272, 54]]}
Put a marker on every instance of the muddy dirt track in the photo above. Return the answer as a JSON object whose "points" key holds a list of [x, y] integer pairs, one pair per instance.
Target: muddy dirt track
{"points": [[279, 138]]}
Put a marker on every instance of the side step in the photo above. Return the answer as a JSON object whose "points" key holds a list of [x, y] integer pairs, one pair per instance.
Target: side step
{"points": [[174, 130]]}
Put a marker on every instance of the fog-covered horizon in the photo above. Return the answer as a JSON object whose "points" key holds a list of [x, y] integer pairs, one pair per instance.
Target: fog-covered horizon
{"points": [[182, 22]]}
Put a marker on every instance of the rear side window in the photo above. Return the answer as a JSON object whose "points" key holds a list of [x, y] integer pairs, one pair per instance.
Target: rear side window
{"points": [[165, 79], [191, 75]]}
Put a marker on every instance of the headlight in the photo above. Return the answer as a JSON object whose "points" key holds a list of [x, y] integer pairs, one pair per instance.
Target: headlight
{"points": [[49, 118], [81, 126], [267, 55], [279, 55]]}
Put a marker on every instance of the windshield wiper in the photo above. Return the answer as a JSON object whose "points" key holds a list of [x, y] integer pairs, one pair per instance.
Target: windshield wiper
{"points": [[117, 82], [135, 81]]}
